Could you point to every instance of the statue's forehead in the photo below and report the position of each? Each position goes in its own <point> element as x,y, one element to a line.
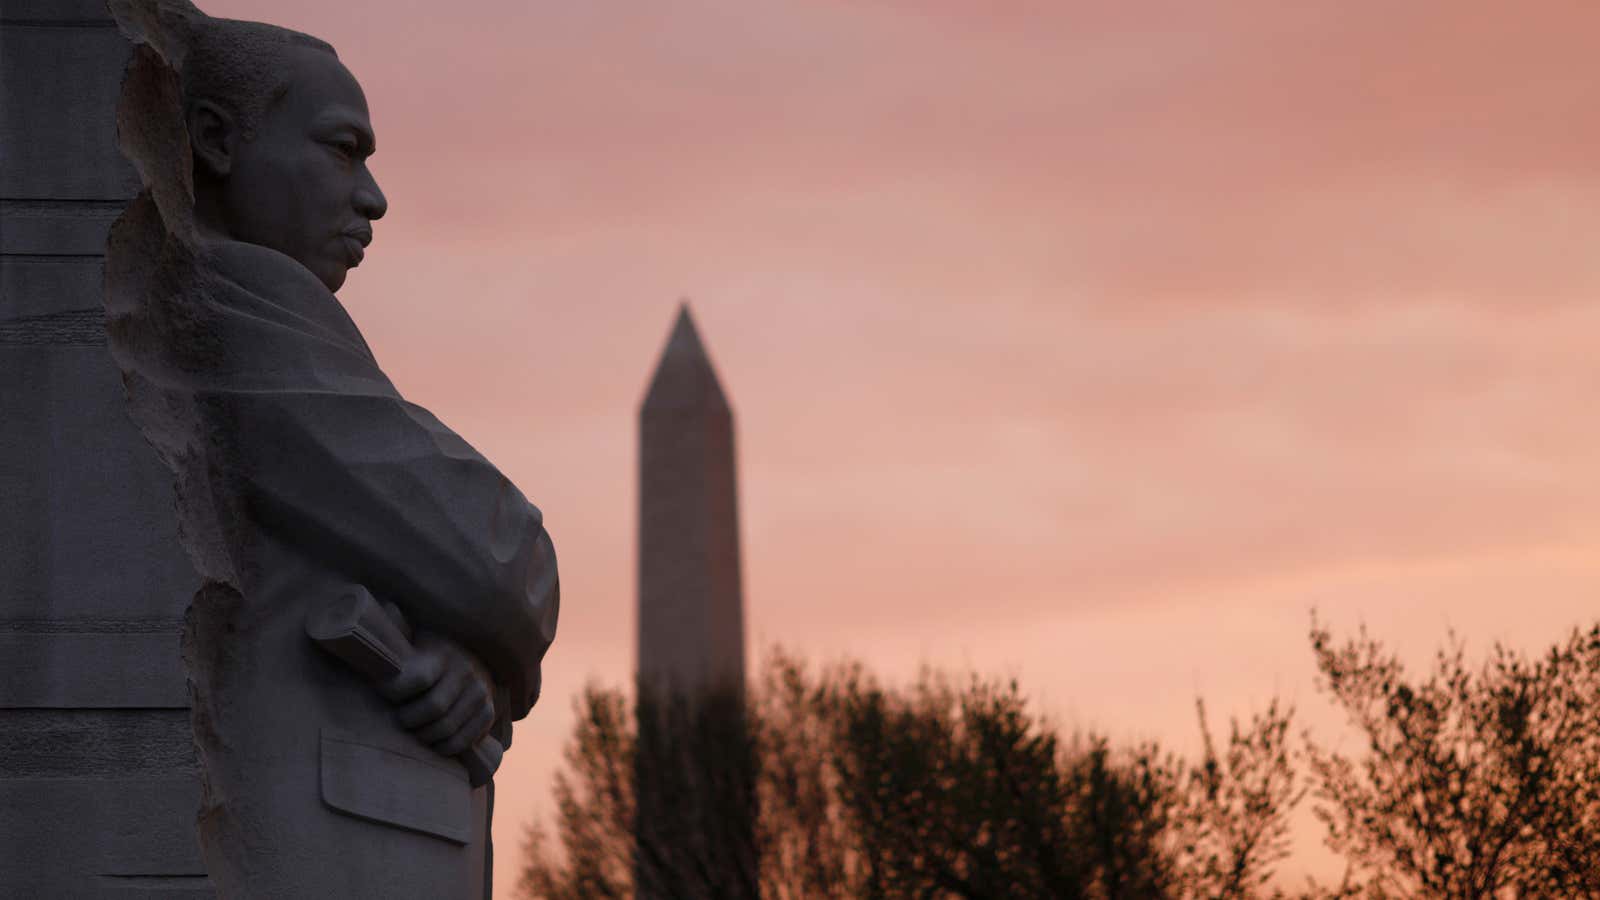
<point>321,86</point>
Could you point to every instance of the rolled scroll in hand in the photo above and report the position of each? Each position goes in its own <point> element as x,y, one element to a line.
<point>357,630</point>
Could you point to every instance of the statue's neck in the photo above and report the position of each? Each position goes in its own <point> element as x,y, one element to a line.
<point>209,218</point>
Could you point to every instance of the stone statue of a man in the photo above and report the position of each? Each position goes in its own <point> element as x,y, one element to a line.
<point>304,478</point>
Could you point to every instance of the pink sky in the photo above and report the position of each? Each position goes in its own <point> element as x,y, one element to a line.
<point>1091,343</point>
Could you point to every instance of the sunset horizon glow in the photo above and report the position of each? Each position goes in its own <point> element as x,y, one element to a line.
<point>1093,344</point>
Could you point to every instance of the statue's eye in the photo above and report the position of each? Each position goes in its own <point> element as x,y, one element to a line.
<point>347,149</point>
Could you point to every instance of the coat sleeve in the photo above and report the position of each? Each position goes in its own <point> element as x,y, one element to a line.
<point>328,456</point>
<point>378,489</point>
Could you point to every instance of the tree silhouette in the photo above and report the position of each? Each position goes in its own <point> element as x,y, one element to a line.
<point>694,796</point>
<point>1234,808</point>
<point>594,809</point>
<point>1472,782</point>
<point>944,789</point>
<point>1475,782</point>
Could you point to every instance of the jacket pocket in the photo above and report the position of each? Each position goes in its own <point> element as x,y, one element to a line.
<point>399,787</point>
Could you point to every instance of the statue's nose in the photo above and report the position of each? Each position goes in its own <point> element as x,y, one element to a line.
<point>369,200</point>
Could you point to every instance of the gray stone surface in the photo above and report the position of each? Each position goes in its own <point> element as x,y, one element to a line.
<point>100,784</point>
<point>45,285</point>
<point>98,789</point>
<point>120,837</point>
<point>691,598</point>
<point>60,64</point>
<point>94,540</point>
<point>139,671</point>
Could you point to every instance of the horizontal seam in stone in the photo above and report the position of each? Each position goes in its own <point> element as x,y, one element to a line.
<point>33,207</point>
<point>58,23</point>
<point>30,256</point>
<point>90,626</point>
<point>78,327</point>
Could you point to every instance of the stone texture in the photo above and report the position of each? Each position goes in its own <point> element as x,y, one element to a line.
<point>130,670</point>
<point>98,789</point>
<point>120,838</point>
<point>100,784</point>
<point>48,285</point>
<point>61,64</point>
<point>302,475</point>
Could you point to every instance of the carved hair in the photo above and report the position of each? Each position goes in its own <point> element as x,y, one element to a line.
<point>241,66</point>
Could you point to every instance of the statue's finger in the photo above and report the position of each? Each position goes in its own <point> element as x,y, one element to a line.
<point>480,723</point>
<point>430,706</point>
<point>482,717</point>
<point>418,674</point>
<point>459,714</point>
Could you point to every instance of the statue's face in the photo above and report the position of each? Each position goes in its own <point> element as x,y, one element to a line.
<point>302,186</point>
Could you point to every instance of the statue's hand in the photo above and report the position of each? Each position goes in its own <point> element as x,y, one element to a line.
<point>444,694</point>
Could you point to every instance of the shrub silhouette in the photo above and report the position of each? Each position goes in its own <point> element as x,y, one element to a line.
<point>834,785</point>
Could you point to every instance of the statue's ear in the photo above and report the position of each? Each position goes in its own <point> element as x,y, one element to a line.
<point>213,135</point>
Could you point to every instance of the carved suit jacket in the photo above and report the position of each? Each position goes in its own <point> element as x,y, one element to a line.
<point>300,471</point>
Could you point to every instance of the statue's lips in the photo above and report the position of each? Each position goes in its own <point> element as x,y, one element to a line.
<point>355,246</point>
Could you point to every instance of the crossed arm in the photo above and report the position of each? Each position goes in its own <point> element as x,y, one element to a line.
<point>377,489</point>
<point>327,455</point>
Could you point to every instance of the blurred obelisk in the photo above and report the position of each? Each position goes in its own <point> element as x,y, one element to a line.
<point>694,775</point>
<point>98,786</point>
<point>691,603</point>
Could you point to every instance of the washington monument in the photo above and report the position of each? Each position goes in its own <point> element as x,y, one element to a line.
<point>691,603</point>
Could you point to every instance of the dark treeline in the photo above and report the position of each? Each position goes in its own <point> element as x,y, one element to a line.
<point>1470,781</point>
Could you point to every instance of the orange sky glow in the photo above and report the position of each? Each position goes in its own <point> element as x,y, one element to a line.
<point>1091,343</point>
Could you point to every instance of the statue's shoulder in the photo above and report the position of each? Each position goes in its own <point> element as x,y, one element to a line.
<point>273,286</point>
<point>263,270</point>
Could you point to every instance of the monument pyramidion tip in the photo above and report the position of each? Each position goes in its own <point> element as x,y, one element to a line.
<point>684,378</point>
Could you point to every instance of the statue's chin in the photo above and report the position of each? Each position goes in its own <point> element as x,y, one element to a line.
<point>334,280</point>
<point>329,273</point>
